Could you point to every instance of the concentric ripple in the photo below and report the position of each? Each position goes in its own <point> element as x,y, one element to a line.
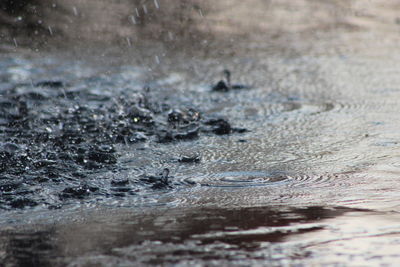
<point>261,178</point>
<point>239,179</point>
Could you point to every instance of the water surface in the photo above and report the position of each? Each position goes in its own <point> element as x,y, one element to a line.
<point>312,181</point>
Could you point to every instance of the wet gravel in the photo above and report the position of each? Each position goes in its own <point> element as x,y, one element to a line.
<point>54,136</point>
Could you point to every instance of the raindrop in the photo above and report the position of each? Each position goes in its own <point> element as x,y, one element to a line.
<point>171,36</point>
<point>157,59</point>
<point>50,30</point>
<point>75,10</point>
<point>200,12</point>
<point>137,12</point>
<point>128,40</point>
<point>133,19</point>
<point>15,42</point>
<point>64,93</point>
<point>156,4</point>
<point>144,9</point>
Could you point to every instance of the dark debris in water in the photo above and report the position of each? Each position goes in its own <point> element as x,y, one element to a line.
<point>225,85</point>
<point>52,84</point>
<point>190,159</point>
<point>160,181</point>
<point>53,135</point>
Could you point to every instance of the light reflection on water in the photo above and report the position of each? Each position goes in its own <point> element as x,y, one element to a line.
<point>212,236</point>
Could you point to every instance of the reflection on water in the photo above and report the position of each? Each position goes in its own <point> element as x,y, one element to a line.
<point>205,235</point>
<point>277,235</point>
<point>27,248</point>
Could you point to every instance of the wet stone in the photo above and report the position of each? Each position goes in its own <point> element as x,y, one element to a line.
<point>102,157</point>
<point>160,181</point>
<point>78,192</point>
<point>22,203</point>
<point>50,137</point>
<point>219,126</point>
<point>239,130</point>
<point>178,116</point>
<point>225,84</point>
<point>190,159</point>
<point>187,135</point>
<point>52,84</point>
<point>9,186</point>
<point>119,182</point>
<point>221,86</point>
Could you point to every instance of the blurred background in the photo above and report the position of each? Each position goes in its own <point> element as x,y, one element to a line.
<point>49,24</point>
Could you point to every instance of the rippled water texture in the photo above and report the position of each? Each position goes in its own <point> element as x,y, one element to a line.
<point>300,169</point>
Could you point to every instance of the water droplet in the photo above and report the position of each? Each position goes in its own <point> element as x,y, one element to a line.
<point>137,12</point>
<point>133,19</point>
<point>15,42</point>
<point>157,59</point>
<point>156,4</point>
<point>50,30</point>
<point>144,9</point>
<point>75,10</point>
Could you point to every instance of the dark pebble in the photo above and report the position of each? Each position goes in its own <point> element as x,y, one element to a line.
<point>221,87</point>
<point>120,182</point>
<point>102,157</point>
<point>78,192</point>
<point>220,126</point>
<point>52,84</point>
<point>190,159</point>
<point>22,203</point>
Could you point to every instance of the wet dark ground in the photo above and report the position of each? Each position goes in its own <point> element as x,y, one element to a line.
<point>298,169</point>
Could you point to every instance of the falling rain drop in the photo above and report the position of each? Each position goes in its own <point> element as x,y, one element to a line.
<point>50,30</point>
<point>157,59</point>
<point>171,36</point>
<point>128,40</point>
<point>144,9</point>
<point>133,19</point>
<point>75,10</point>
<point>156,4</point>
<point>15,42</point>
<point>63,92</point>
<point>200,12</point>
<point>137,12</point>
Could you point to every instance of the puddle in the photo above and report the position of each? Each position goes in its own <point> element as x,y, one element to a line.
<point>299,169</point>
